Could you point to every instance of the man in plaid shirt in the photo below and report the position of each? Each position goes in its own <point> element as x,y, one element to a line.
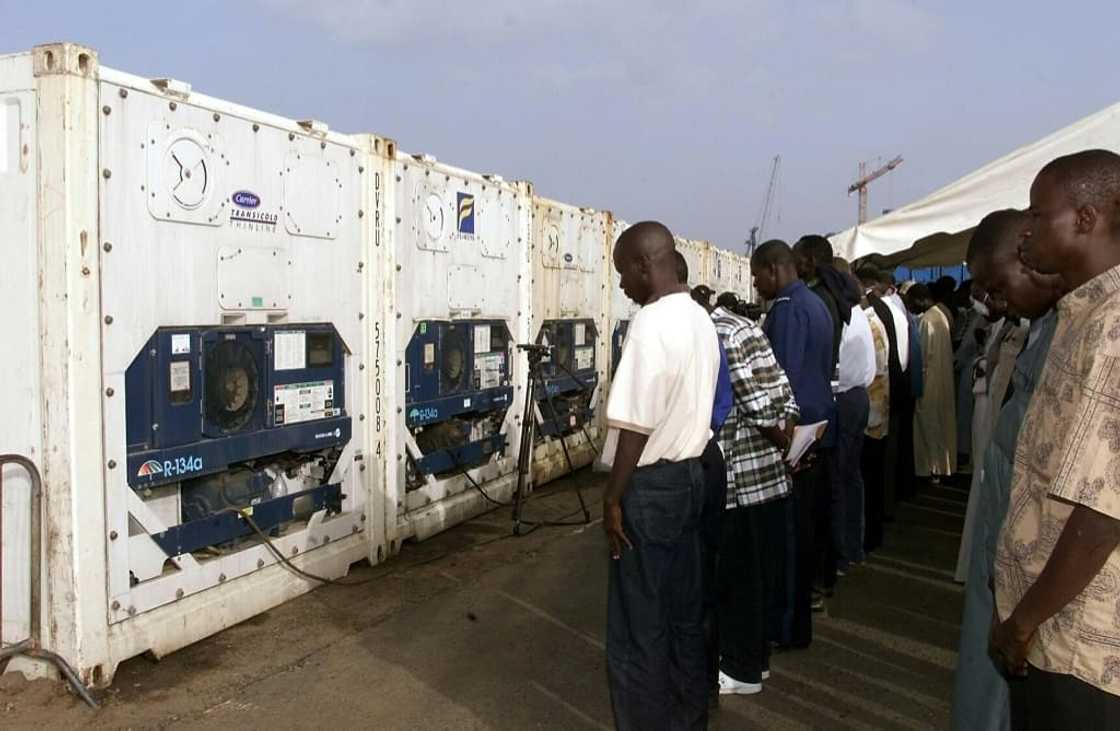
<point>754,440</point>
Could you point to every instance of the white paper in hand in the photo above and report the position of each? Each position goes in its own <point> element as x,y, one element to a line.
<point>803,438</point>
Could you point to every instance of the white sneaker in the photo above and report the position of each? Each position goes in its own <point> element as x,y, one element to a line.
<point>730,686</point>
<point>765,674</point>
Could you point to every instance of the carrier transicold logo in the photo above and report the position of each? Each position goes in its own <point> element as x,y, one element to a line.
<point>246,199</point>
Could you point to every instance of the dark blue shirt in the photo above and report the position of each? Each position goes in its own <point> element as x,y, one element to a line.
<point>724,396</point>
<point>800,331</point>
<point>917,386</point>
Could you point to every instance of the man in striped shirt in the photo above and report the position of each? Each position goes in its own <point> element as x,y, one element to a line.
<point>754,440</point>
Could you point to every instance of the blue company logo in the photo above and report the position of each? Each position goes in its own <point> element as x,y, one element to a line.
<point>466,213</point>
<point>245,199</point>
<point>425,414</point>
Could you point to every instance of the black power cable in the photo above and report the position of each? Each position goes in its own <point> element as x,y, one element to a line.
<point>474,482</point>
<point>246,515</point>
<point>500,504</point>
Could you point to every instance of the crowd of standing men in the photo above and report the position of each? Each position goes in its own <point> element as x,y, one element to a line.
<point>722,549</point>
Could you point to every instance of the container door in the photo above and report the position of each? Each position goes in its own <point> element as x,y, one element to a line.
<point>19,361</point>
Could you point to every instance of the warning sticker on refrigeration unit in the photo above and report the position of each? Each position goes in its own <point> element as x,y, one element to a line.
<point>179,377</point>
<point>585,358</point>
<point>481,339</point>
<point>291,350</point>
<point>488,368</point>
<point>299,402</point>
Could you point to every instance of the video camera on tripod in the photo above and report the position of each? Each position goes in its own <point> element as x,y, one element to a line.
<point>537,352</point>
<point>536,349</point>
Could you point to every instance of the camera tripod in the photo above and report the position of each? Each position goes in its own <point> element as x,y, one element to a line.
<point>536,354</point>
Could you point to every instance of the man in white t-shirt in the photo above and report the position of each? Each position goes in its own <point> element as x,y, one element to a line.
<point>659,416</point>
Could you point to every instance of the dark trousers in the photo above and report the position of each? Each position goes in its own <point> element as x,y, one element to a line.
<point>655,643</point>
<point>711,537</point>
<point>874,454</point>
<point>1059,701</point>
<point>743,646</point>
<point>825,548</point>
<point>905,479</point>
<point>890,466</point>
<point>852,410</point>
<point>795,627</point>
<point>777,568</point>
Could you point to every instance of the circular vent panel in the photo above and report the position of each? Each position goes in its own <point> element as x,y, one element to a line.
<point>232,385</point>
<point>186,173</point>
<point>564,354</point>
<point>453,360</point>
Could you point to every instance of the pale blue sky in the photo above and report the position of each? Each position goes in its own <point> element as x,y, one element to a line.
<point>652,109</point>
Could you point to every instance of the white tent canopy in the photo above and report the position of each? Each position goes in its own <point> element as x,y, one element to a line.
<point>935,230</point>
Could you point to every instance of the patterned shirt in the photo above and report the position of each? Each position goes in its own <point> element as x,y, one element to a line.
<point>1068,454</point>
<point>756,472</point>
<point>879,392</point>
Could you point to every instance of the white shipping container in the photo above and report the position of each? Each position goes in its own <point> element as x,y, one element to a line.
<point>744,285</point>
<point>144,227</point>
<point>723,272</point>
<point>696,255</point>
<point>571,274</point>
<point>148,216</point>
<point>622,308</point>
<point>21,427</point>
<point>461,270</point>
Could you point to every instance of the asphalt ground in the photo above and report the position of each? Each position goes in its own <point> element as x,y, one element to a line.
<point>478,629</point>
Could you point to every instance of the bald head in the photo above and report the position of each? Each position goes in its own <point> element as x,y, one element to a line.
<point>645,257</point>
<point>771,253</point>
<point>1089,178</point>
<point>648,238</point>
<point>772,267</point>
<point>996,236</point>
<point>1075,217</point>
<point>993,258</point>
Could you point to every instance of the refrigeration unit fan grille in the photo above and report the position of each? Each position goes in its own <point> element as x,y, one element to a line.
<point>232,385</point>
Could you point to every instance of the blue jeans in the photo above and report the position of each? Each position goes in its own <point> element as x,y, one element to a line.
<point>655,642</point>
<point>711,537</point>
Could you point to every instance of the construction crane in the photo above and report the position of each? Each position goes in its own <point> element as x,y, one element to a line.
<point>865,179</point>
<point>764,216</point>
